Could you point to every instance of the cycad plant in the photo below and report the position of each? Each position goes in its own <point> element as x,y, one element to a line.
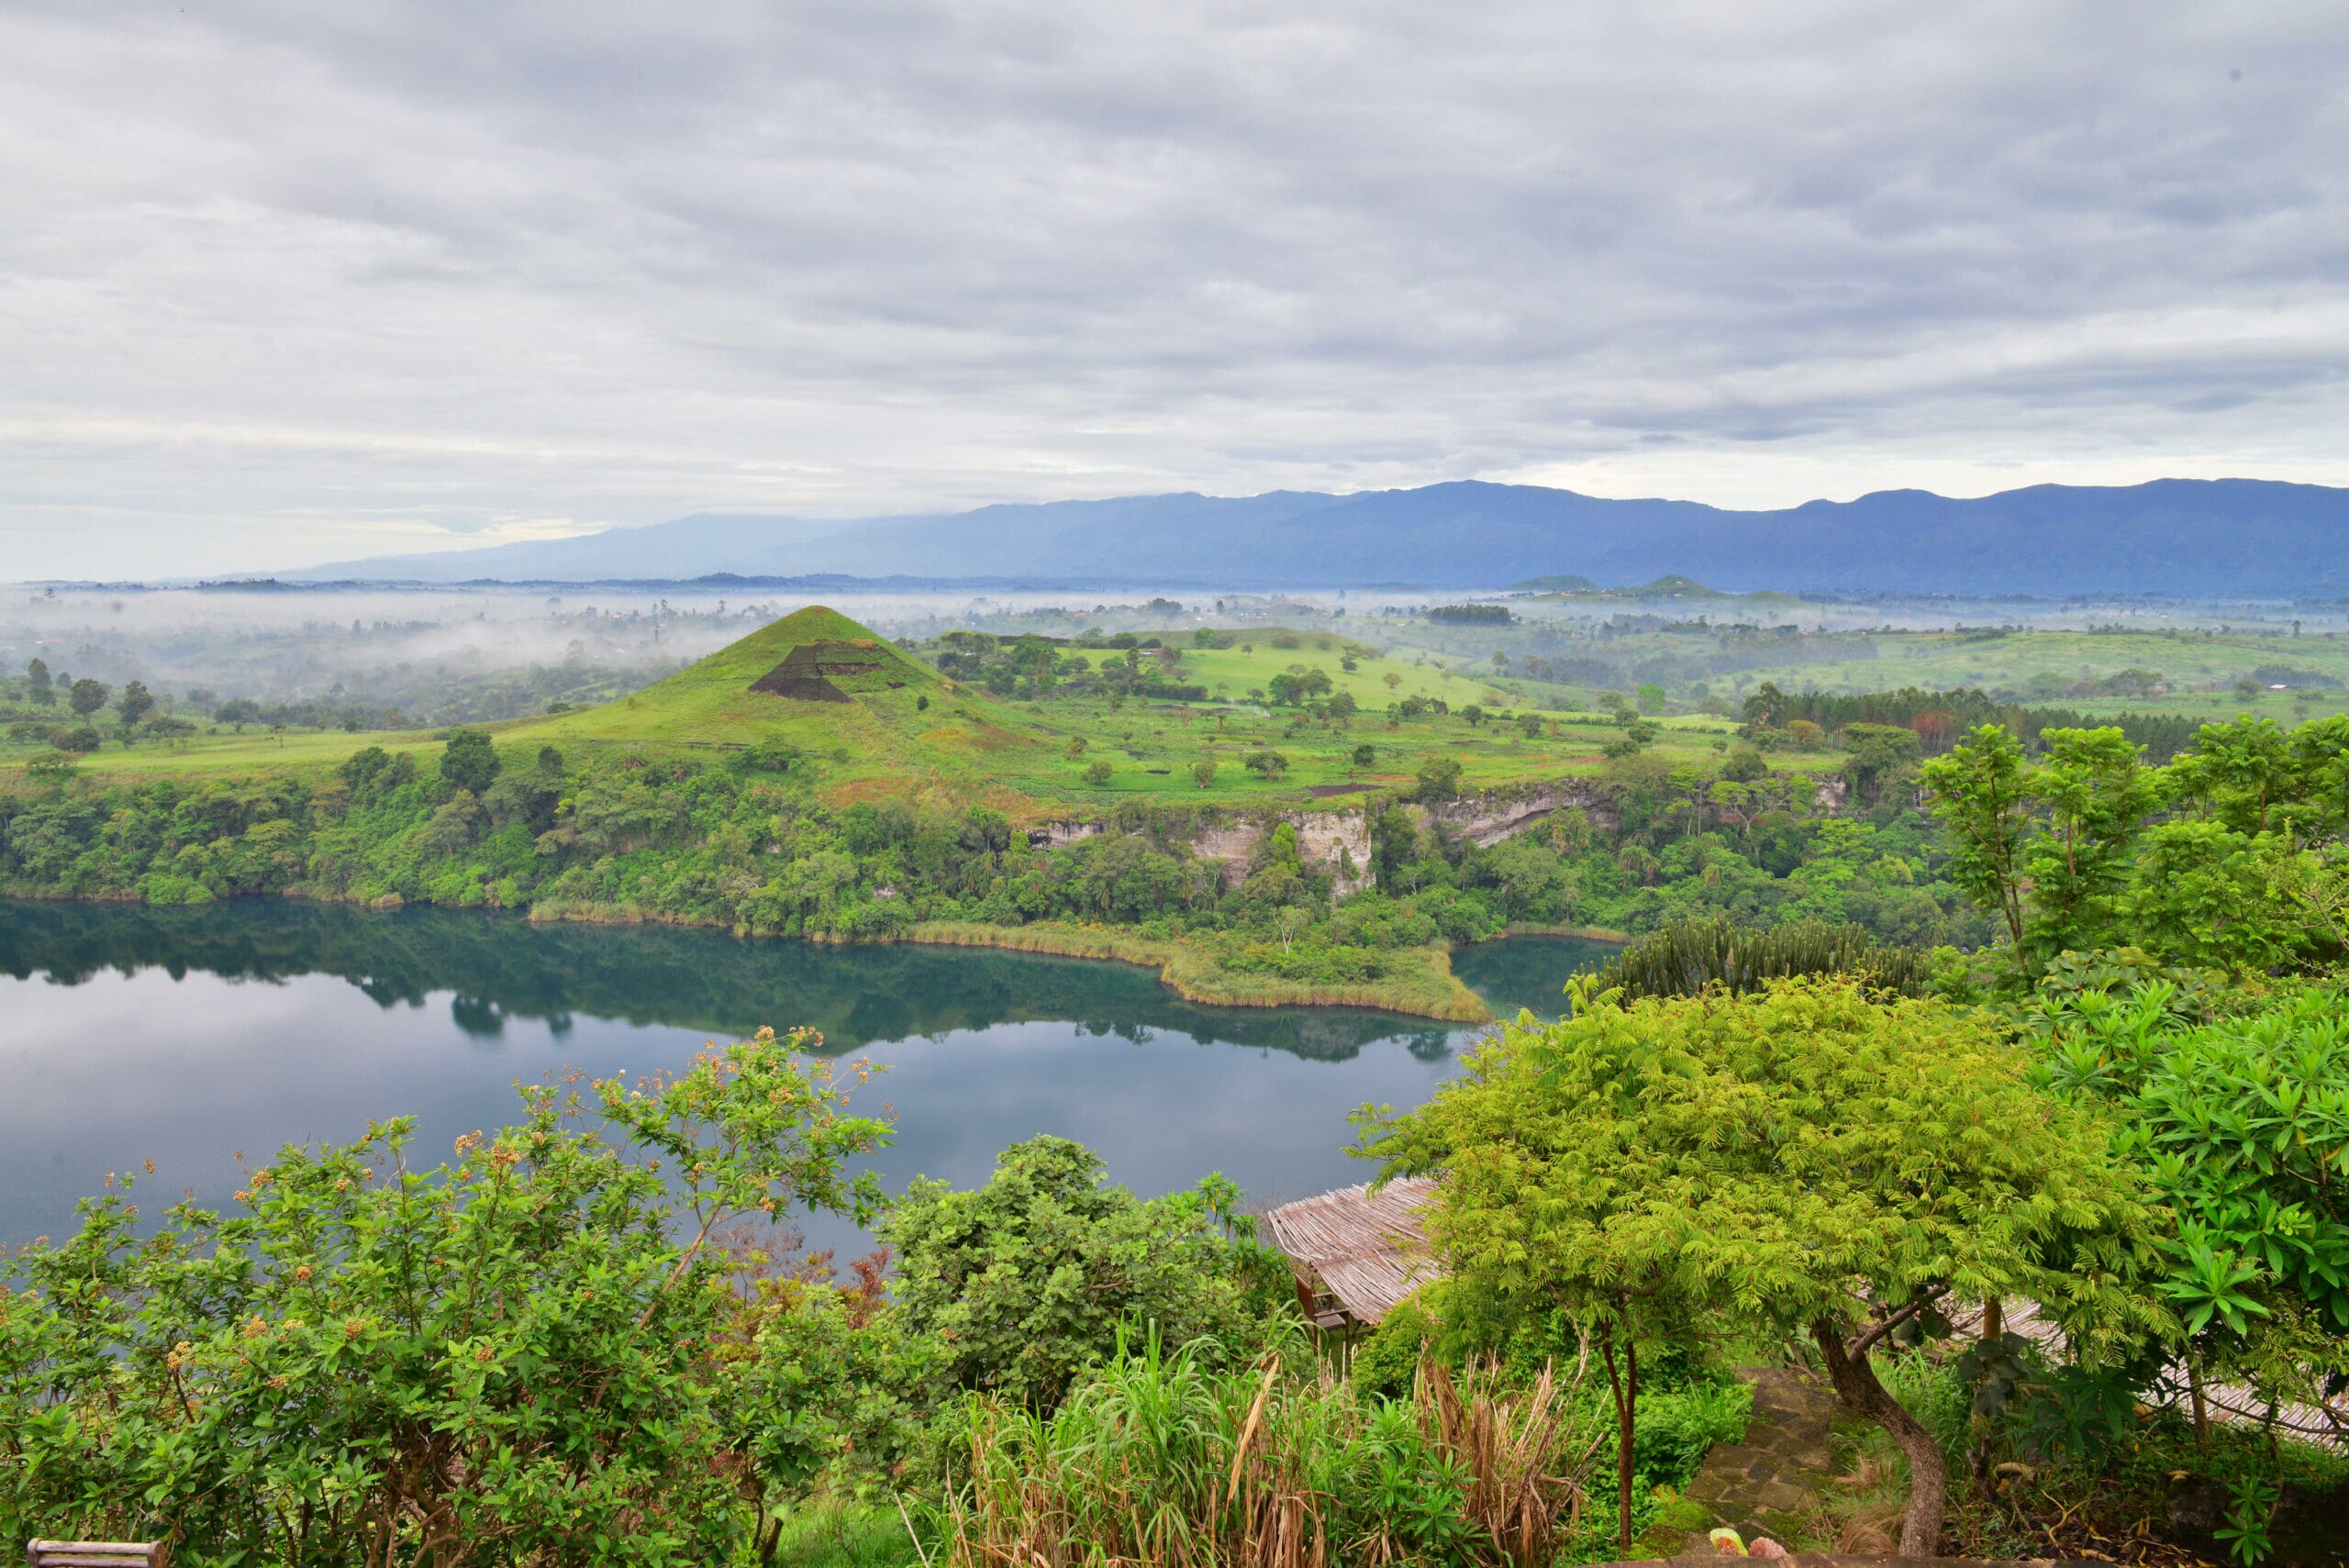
<point>1690,957</point>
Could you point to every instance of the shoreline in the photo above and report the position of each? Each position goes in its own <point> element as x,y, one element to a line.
<point>1208,987</point>
<point>1581,933</point>
<point>1428,989</point>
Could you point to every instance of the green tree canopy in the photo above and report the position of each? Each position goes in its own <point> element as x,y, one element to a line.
<point>469,763</point>
<point>2241,1126</point>
<point>1805,1161</point>
<point>136,703</point>
<point>1438,777</point>
<point>1027,1280</point>
<point>522,1356</point>
<point>2228,858</point>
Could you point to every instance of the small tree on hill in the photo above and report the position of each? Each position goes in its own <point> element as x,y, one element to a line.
<point>1805,1161</point>
<point>40,689</point>
<point>136,703</point>
<point>469,763</point>
<point>88,697</point>
<point>1438,778</point>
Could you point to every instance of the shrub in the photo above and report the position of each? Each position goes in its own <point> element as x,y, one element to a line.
<point>1743,764</point>
<point>524,1352</point>
<point>1438,778</point>
<point>1032,1277</point>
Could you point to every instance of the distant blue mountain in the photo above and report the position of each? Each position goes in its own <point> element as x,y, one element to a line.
<point>2172,536</point>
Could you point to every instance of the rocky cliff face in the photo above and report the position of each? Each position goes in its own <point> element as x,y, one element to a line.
<point>1487,820</point>
<point>1339,841</point>
<point>1052,835</point>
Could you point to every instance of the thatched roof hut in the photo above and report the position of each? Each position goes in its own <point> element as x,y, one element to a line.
<point>1356,1254</point>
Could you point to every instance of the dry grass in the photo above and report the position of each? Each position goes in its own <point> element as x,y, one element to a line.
<point>1861,1515</point>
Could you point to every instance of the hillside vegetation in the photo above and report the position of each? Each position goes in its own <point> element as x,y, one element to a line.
<point>2109,1100</point>
<point>1264,814</point>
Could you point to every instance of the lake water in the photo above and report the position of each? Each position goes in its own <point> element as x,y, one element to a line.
<point>129,1033</point>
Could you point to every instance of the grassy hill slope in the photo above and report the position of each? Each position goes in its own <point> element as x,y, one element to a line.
<point>899,717</point>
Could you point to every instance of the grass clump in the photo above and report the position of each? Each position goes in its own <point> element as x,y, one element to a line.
<point>1161,1459</point>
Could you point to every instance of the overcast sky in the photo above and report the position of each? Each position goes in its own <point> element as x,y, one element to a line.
<point>289,283</point>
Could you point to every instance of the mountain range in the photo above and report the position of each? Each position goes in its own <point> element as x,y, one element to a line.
<point>2185,537</point>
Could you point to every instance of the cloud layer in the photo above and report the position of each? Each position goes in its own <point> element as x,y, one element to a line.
<point>285,282</point>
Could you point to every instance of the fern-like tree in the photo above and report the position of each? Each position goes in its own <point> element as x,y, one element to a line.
<point>1805,1161</point>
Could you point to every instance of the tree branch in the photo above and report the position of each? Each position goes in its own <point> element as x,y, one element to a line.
<point>1867,1341</point>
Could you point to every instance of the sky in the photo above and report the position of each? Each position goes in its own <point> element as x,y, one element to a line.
<point>283,283</point>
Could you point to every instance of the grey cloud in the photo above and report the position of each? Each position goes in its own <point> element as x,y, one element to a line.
<point>288,282</point>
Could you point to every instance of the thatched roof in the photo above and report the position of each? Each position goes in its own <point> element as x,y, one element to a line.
<point>1367,1252</point>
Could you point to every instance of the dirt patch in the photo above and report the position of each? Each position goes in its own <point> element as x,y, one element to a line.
<point>807,671</point>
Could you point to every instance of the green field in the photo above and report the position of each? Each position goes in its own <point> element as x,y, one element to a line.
<point>910,732</point>
<point>2198,672</point>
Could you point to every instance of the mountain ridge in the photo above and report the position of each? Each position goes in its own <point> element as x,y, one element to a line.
<point>2241,535</point>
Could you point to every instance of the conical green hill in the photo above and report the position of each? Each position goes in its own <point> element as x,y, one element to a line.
<point>815,680</point>
<point>1677,585</point>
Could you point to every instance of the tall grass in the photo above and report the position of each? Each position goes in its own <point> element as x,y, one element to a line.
<point>1160,1459</point>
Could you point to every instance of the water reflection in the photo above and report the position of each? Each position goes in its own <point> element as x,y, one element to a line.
<point>184,1035</point>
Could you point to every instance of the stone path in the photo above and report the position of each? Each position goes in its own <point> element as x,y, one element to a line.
<point>1766,1485</point>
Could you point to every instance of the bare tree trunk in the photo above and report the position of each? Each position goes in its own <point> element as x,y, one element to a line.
<point>2202,1409</point>
<point>1994,1328</point>
<point>1627,1393</point>
<point>1857,1387</point>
